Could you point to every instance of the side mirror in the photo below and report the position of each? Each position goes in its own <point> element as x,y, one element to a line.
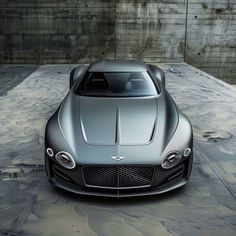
<point>77,73</point>
<point>159,74</point>
<point>72,77</point>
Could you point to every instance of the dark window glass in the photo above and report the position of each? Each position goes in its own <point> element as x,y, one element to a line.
<point>117,84</point>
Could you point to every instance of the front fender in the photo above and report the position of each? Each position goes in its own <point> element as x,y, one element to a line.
<point>54,137</point>
<point>182,138</point>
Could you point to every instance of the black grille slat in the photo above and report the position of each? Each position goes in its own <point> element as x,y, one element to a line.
<point>174,175</point>
<point>123,176</point>
<point>60,174</point>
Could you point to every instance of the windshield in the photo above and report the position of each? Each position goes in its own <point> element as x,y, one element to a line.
<point>117,84</point>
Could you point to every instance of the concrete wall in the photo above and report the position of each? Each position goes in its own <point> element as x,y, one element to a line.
<point>152,30</point>
<point>71,31</point>
<point>56,31</point>
<point>211,37</point>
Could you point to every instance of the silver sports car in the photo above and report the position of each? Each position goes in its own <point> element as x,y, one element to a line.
<point>118,133</point>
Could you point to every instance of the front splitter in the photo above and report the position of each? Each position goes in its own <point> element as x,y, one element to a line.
<point>118,194</point>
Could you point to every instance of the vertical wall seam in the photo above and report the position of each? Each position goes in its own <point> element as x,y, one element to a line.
<point>38,35</point>
<point>115,27</point>
<point>186,31</point>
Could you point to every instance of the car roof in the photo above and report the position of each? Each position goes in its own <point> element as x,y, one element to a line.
<point>117,65</point>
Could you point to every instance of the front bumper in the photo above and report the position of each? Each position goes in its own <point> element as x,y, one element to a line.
<point>116,193</point>
<point>163,180</point>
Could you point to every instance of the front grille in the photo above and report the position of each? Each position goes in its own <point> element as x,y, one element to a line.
<point>121,177</point>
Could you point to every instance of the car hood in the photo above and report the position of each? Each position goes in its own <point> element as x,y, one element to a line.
<point>97,128</point>
<point>122,121</point>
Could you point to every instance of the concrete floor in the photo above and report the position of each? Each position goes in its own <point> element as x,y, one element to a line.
<point>29,205</point>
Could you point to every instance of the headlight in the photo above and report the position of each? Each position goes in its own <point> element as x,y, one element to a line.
<point>65,160</point>
<point>171,160</point>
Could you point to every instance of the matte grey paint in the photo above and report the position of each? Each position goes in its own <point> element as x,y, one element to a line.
<point>117,66</point>
<point>117,120</point>
<point>141,129</point>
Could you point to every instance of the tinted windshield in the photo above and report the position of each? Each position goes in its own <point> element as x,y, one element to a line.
<point>117,84</point>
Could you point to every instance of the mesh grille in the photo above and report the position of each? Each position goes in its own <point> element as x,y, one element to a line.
<point>118,176</point>
<point>100,176</point>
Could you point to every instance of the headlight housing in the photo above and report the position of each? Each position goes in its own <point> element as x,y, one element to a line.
<point>65,160</point>
<point>171,160</point>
